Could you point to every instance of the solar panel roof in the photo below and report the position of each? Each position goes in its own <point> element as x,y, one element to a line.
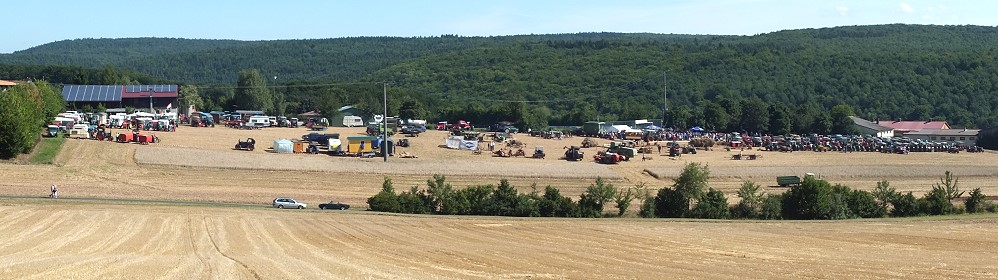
<point>91,93</point>
<point>113,93</point>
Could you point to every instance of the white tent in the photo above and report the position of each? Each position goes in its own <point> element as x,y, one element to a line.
<point>620,128</point>
<point>454,142</point>
<point>283,146</point>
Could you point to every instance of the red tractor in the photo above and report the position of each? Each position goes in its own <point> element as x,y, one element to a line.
<point>608,158</point>
<point>461,125</point>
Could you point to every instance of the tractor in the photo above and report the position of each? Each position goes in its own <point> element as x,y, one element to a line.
<point>574,153</point>
<point>608,158</point>
<point>538,152</point>
<point>247,145</point>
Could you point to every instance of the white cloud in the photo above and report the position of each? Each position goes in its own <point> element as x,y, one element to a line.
<point>905,7</point>
<point>843,10</point>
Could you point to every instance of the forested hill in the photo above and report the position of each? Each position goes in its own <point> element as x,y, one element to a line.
<point>218,61</point>
<point>882,72</point>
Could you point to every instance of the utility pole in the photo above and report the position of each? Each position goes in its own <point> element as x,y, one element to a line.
<point>151,111</point>
<point>384,123</point>
<point>665,96</point>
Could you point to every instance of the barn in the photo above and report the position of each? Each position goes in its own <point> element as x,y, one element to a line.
<point>140,97</point>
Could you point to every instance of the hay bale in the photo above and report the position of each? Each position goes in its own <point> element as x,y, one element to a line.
<point>702,142</point>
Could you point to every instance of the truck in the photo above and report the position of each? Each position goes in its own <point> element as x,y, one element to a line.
<point>593,129</point>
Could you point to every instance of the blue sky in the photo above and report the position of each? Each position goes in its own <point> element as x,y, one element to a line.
<point>31,23</point>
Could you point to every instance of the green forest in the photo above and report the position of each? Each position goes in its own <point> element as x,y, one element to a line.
<point>785,81</point>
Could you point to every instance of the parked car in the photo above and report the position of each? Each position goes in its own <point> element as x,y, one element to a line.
<point>320,138</point>
<point>284,202</point>
<point>333,205</point>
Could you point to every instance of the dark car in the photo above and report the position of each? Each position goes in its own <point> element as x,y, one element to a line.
<point>320,138</point>
<point>333,205</point>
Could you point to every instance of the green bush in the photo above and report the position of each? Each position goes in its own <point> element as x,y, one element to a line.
<point>935,202</point>
<point>810,200</point>
<point>751,201</point>
<point>647,207</point>
<point>862,204</point>
<point>884,194</point>
<point>386,200</point>
<point>414,201</point>
<point>713,205</point>
<point>976,202</point>
<point>553,204</point>
<point>597,195</point>
<point>905,206</point>
<point>772,207</point>
<point>670,203</point>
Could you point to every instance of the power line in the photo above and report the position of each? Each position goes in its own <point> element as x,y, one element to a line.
<point>294,86</point>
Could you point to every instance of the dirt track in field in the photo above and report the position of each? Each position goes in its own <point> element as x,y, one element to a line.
<point>47,240</point>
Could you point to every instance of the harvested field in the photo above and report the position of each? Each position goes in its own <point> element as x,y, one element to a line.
<point>371,166</point>
<point>142,241</point>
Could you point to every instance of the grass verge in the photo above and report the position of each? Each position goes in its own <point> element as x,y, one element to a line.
<point>48,148</point>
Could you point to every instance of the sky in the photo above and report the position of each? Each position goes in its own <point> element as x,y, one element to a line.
<point>31,23</point>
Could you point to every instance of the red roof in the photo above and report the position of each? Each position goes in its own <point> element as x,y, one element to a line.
<point>914,125</point>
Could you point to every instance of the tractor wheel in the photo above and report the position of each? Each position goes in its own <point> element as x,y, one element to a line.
<point>251,148</point>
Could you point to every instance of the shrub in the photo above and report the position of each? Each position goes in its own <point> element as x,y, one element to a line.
<point>713,206</point>
<point>439,190</point>
<point>596,196</point>
<point>751,201</point>
<point>905,206</point>
<point>623,200</point>
<point>414,201</point>
<point>692,182</point>
<point>504,200</point>
<point>807,201</point>
<point>386,200</point>
<point>862,204</point>
<point>647,207</point>
<point>976,202</point>
<point>884,194</point>
<point>670,203</point>
<point>936,202</point>
<point>553,204</point>
<point>772,207</point>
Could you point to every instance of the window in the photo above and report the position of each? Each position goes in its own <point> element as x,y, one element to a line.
<point>963,138</point>
<point>933,138</point>
<point>952,138</point>
<point>972,138</point>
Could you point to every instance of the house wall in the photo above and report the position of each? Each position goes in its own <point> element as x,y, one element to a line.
<point>867,131</point>
<point>968,140</point>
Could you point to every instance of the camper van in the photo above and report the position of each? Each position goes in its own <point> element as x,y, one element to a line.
<point>259,121</point>
<point>80,131</point>
<point>352,121</point>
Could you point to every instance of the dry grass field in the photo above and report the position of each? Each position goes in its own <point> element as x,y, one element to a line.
<point>85,239</point>
<point>49,240</point>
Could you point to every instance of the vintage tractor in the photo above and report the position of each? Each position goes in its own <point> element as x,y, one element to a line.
<point>247,145</point>
<point>574,153</point>
<point>608,158</point>
<point>538,152</point>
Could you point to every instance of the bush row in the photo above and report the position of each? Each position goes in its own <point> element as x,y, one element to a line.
<point>688,197</point>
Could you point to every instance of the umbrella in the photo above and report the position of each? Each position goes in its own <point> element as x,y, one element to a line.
<point>696,128</point>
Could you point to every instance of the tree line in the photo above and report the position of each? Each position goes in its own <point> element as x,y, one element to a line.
<point>24,111</point>
<point>688,197</point>
<point>883,72</point>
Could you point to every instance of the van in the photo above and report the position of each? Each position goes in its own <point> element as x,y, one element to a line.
<point>259,121</point>
<point>80,131</point>
<point>352,121</point>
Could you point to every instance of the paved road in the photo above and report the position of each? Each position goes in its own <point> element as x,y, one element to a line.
<point>120,200</point>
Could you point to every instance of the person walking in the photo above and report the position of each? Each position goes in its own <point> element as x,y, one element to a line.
<point>55,192</point>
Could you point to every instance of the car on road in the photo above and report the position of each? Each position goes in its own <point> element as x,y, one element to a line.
<point>284,202</point>
<point>333,205</point>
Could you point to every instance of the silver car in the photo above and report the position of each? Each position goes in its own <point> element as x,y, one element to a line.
<point>283,202</point>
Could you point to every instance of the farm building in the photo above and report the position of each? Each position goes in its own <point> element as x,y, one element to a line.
<point>351,111</point>
<point>866,127</point>
<point>902,127</point>
<point>967,136</point>
<point>140,97</point>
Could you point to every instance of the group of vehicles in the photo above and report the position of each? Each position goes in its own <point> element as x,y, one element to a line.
<point>290,203</point>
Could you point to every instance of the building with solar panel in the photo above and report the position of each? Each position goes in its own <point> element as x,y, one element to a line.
<point>140,97</point>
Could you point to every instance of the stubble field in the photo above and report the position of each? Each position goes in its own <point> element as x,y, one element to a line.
<point>85,239</point>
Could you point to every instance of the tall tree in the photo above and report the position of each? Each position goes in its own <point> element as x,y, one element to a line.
<point>714,116</point>
<point>841,123</point>
<point>411,109</point>
<point>755,115</point>
<point>252,92</point>
<point>780,121</point>
<point>189,96</point>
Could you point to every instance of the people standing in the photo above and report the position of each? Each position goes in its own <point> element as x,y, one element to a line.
<point>55,192</point>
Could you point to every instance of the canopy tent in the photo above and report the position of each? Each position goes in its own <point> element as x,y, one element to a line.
<point>283,146</point>
<point>620,128</point>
